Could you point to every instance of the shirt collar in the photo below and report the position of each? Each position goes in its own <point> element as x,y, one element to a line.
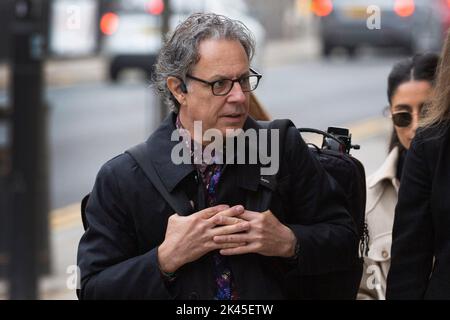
<point>196,157</point>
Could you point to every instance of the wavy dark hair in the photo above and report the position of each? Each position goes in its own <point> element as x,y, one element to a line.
<point>421,67</point>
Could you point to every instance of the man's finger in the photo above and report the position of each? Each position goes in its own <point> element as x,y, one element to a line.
<point>226,230</point>
<point>237,250</point>
<point>212,211</point>
<point>219,220</point>
<point>231,238</point>
<point>232,212</point>
<point>249,215</point>
<point>231,245</point>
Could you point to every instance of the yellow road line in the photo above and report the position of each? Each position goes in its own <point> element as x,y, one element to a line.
<point>66,217</point>
<point>368,128</point>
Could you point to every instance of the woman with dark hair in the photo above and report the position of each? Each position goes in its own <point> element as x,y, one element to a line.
<point>410,85</point>
<point>420,267</point>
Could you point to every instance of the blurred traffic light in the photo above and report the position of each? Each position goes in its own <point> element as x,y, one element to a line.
<point>321,8</point>
<point>155,7</point>
<point>404,8</point>
<point>109,23</point>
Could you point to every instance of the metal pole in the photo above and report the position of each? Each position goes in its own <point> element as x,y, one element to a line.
<point>5,171</point>
<point>6,16</point>
<point>165,27</point>
<point>29,176</point>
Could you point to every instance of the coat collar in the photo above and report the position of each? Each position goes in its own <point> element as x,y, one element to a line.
<point>159,148</point>
<point>387,171</point>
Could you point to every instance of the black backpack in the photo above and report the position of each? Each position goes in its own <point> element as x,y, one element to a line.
<point>336,160</point>
<point>334,155</point>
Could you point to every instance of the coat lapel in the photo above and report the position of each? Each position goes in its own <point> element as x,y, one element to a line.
<point>159,149</point>
<point>385,174</point>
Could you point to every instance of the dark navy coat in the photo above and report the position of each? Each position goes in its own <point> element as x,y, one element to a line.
<point>127,219</point>
<point>420,263</point>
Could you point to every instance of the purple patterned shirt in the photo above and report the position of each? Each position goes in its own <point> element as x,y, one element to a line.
<point>210,174</point>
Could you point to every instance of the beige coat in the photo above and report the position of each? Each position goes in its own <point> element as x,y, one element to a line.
<point>382,194</point>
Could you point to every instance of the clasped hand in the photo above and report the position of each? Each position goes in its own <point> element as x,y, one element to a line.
<point>231,230</point>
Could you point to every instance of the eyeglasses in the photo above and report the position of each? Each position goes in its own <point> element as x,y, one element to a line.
<point>404,119</point>
<point>223,86</point>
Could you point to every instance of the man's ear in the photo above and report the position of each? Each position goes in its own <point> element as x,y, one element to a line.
<point>177,88</point>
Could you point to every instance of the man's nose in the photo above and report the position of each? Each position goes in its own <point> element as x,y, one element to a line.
<point>236,93</point>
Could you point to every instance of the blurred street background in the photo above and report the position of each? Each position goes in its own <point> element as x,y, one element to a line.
<point>324,63</point>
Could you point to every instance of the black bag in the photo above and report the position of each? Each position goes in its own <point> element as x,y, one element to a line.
<point>349,173</point>
<point>334,155</point>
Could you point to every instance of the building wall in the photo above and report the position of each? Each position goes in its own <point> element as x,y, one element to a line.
<point>276,16</point>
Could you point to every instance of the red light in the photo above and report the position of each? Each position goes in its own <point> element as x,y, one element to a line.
<point>155,7</point>
<point>448,3</point>
<point>109,23</point>
<point>404,8</point>
<point>321,8</point>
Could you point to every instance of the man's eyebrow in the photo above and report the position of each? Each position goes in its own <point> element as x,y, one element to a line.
<point>221,76</point>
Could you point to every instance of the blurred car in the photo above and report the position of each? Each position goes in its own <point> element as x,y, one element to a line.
<point>73,28</point>
<point>415,25</point>
<point>131,34</point>
<point>132,29</point>
<point>445,14</point>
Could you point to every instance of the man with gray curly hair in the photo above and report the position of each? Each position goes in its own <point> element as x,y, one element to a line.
<point>222,242</point>
<point>181,51</point>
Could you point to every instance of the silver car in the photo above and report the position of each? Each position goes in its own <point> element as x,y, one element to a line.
<point>414,25</point>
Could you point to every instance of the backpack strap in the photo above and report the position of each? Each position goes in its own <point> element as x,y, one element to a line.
<point>280,124</point>
<point>260,200</point>
<point>177,200</point>
<point>323,133</point>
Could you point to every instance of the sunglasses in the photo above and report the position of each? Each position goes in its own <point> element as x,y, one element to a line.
<point>404,119</point>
